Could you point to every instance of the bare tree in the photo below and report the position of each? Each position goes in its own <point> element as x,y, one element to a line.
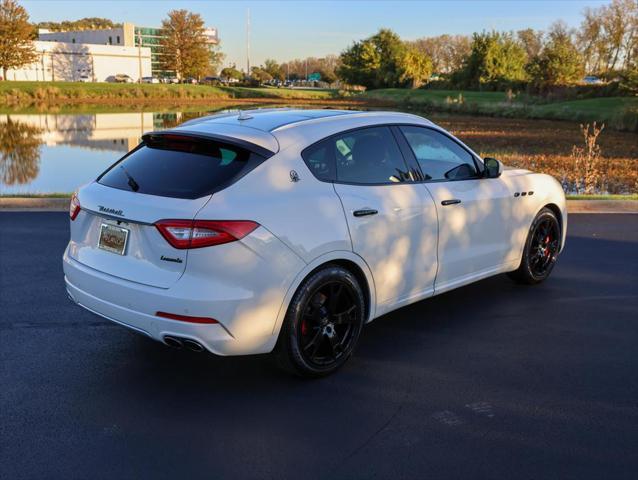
<point>446,51</point>
<point>608,36</point>
<point>531,40</point>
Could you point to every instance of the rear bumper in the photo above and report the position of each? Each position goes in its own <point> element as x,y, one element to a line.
<point>134,306</point>
<point>213,338</point>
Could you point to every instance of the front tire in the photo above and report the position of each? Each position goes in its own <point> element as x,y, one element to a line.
<point>541,249</point>
<point>323,323</point>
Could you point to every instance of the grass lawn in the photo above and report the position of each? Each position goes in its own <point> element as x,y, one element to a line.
<point>616,112</point>
<point>26,93</point>
<point>427,96</point>
<point>603,108</point>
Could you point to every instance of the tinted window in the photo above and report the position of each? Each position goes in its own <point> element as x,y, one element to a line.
<point>178,168</point>
<point>440,157</point>
<point>369,156</point>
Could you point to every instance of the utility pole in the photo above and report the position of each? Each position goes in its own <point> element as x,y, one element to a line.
<point>248,42</point>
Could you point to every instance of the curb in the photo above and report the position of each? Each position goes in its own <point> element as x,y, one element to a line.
<point>44,204</point>
<point>34,204</point>
<point>602,206</point>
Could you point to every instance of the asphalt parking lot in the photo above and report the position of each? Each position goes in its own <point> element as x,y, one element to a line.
<point>493,380</point>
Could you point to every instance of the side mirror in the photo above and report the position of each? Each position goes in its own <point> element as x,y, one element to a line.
<point>493,167</point>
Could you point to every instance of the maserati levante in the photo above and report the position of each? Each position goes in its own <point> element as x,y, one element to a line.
<point>287,230</point>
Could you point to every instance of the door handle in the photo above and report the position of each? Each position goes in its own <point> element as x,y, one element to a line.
<point>364,212</point>
<point>452,201</point>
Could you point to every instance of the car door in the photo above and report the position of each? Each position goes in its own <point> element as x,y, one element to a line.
<point>392,223</point>
<point>474,213</point>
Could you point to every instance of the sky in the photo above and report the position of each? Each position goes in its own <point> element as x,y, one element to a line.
<point>285,30</point>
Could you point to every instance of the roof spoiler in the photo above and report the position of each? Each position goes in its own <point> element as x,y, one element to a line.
<point>186,134</point>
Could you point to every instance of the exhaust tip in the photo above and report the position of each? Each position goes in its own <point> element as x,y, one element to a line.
<point>173,342</point>
<point>193,346</point>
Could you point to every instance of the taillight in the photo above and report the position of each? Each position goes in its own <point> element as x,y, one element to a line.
<point>74,206</point>
<point>203,233</point>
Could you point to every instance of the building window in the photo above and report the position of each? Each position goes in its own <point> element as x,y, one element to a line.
<point>118,39</point>
<point>110,40</point>
<point>73,40</point>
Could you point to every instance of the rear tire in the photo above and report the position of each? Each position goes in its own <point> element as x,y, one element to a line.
<point>540,251</point>
<point>323,323</point>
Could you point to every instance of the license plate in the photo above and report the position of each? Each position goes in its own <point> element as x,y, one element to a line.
<point>113,239</point>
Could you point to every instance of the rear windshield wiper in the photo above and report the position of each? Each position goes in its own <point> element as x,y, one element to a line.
<point>131,181</point>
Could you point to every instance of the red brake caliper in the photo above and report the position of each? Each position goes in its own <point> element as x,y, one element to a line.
<point>547,240</point>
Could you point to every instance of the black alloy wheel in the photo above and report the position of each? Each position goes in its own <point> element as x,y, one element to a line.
<point>323,323</point>
<point>544,247</point>
<point>541,249</point>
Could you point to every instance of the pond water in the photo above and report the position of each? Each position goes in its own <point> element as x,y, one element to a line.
<point>55,153</point>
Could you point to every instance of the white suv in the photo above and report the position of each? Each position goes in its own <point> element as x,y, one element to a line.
<point>288,230</point>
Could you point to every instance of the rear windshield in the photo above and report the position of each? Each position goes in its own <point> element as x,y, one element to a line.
<point>181,168</point>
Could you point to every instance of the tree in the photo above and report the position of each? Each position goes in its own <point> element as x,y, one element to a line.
<point>274,69</point>
<point>88,23</point>
<point>231,72</point>
<point>447,52</point>
<point>416,67</point>
<point>531,40</point>
<point>608,37</point>
<point>495,58</point>
<point>16,46</point>
<point>261,75</point>
<point>184,45</point>
<point>559,63</point>
<point>590,40</point>
<point>327,76</point>
<point>298,69</point>
<point>215,59</point>
<point>384,60</point>
<point>360,65</point>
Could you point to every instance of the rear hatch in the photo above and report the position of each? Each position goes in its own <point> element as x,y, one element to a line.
<point>166,177</point>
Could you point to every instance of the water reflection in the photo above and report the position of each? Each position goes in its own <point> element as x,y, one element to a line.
<point>19,151</point>
<point>56,153</point>
<point>48,153</point>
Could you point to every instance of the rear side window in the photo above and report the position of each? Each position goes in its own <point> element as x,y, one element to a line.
<point>181,168</point>
<point>320,160</point>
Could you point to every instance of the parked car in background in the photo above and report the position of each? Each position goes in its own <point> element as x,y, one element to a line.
<point>592,80</point>
<point>150,80</point>
<point>119,78</point>
<point>286,231</point>
<point>211,81</point>
<point>190,80</point>
<point>85,78</point>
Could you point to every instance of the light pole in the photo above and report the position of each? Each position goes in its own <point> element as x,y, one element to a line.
<point>248,42</point>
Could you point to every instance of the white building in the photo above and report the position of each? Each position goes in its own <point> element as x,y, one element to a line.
<point>68,61</point>
<point>128,35</point>
<point>108,36</point>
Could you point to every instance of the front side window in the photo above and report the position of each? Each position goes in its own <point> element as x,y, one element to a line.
<point>440,157</point>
